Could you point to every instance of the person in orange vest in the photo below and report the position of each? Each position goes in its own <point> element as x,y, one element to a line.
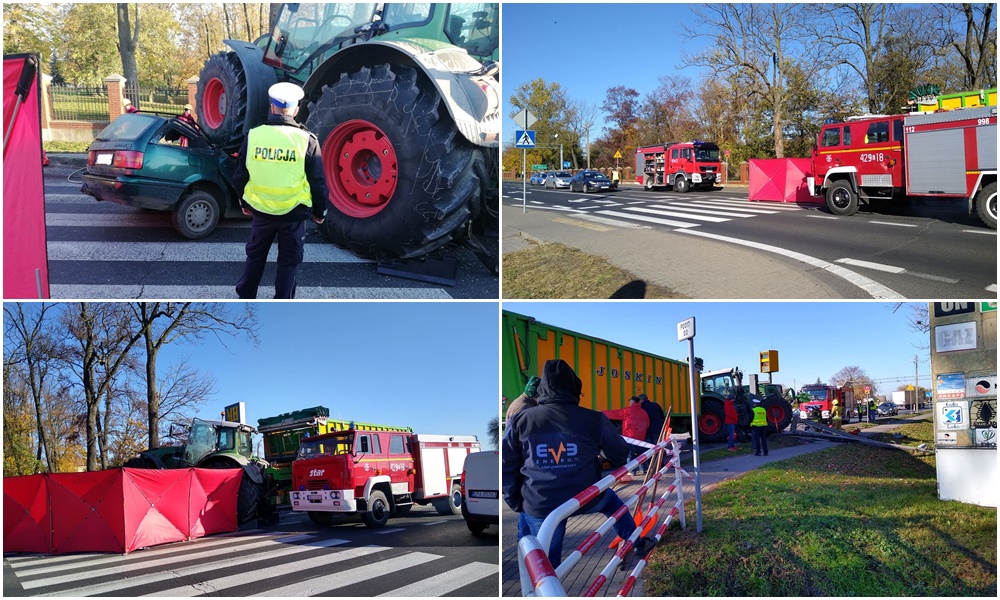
<point>281,184</point>
<point>635,422</point>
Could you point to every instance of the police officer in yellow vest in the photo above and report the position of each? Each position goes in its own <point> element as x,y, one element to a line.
<point>758,429</point>
<point>281,184</point>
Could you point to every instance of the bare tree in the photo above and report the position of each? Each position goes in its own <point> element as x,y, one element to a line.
<point>159,323</point>
<point>128,42</point>
<point>753,42</point>
<point>975,42</point>
<point>581,117</point>
<point>104,340</point>
<point>33,344</point>
<point>857,378</point>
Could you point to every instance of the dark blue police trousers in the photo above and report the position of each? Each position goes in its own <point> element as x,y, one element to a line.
<point>291,240</point>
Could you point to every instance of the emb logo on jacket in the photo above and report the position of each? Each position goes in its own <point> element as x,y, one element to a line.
<point>555,454</point>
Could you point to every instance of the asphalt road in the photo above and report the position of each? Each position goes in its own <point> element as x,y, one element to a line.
<point>103,250</point>
<point>422,554</point>
<point>917,250</point>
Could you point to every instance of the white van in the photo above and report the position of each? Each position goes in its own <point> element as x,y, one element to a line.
<point>481,490</point>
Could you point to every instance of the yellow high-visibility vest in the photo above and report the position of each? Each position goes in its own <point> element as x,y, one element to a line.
<point>759,417</point>
<point>276,159</point>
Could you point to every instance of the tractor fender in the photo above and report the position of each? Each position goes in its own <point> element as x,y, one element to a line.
<point>155,458</point>
<point>259,77</point>
<point>254,468</point>
<point>473,100</point>
<point>373,482</point>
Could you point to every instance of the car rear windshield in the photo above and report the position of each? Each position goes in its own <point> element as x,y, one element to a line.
<point>127,127</point>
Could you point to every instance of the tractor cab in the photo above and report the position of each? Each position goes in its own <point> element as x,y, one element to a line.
<point>305,35</point>
<point>208,437</point>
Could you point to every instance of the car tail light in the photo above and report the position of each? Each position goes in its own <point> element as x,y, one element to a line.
<point>461,483</point>
<point>91,158</point>
<point>128,159</point>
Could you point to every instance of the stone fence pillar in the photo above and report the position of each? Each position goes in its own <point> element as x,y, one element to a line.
<point>46,108</point>
<point>116,93</point>
<point>192,86</point>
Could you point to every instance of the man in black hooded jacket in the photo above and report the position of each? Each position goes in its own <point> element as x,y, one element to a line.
<point>550,454</point>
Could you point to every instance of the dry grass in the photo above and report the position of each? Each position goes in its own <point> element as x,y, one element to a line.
<point>558,271</point>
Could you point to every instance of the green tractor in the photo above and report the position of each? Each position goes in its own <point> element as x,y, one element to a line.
<point>405,101</point>
<point>716,386</point>
<point>213,445</point>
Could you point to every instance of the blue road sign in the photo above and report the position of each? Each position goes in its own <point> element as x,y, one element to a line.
<point>525,138</point>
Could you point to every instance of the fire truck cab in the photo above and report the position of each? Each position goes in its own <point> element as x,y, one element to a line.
<point>678,165</point>
<point>944,154</point>
<point>820,403</point>
<point>378,474</point>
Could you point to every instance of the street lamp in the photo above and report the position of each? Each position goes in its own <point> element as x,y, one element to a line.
<point>556,136</point>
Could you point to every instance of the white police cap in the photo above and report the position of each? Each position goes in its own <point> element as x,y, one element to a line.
<point>285,94</point>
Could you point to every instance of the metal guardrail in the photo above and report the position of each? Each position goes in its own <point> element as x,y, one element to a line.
<point>539,578</point>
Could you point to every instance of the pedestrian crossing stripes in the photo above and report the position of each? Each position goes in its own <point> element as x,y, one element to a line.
<point>285,564</point>
<point>680,212</point>
<point>102,250</point>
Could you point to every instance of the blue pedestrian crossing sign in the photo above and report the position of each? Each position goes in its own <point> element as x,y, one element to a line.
<point>525,138</point>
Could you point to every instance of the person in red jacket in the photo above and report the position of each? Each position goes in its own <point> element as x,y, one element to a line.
<point>635,422</point>
<point>732,419</point>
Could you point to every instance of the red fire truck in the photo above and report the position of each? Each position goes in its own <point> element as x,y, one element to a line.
<point>943,154</point>
<point>378,474</point>
<point>821,402</point>
<point>679,165</point>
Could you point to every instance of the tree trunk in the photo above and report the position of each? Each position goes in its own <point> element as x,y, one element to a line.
<point>128,42</point>
<point>152,391</point>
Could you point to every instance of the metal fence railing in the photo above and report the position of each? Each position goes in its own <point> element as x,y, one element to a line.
<point>78,103</point>
<point>162,100</point>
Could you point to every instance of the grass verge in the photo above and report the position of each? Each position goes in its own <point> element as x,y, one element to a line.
<point>847,521</point>
<point>64,146</point>
<point>558,271</point>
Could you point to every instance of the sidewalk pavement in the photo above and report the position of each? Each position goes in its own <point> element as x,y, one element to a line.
<point>692,266</point>
<point>591,565</point>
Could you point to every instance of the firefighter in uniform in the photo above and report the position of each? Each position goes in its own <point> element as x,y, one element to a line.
<point>280,183</point>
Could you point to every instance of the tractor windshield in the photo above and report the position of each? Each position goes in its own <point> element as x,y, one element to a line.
<point>302,30</point>
<point>201,441</point>
<point>720,384</point>
<point>474,27</point>
<point>326,446</point>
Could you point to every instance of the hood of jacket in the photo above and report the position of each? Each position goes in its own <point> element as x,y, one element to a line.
<point>559,384</point>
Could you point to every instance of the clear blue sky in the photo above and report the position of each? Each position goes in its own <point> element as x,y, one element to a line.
<point>427,365</point>
<point>588,48</point>
<point>813,339</point>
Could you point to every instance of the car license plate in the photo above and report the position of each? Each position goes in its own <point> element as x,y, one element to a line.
<point>482,494</point>
<point>105,158</point>
<point>314,497</point>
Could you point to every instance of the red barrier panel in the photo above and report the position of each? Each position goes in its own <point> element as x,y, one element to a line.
<point>25,266</point>
<point>25,514</point>
<point>118,510</point>
<point>780,180</point>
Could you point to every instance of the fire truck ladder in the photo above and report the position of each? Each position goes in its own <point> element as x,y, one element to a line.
<point>538,578</point>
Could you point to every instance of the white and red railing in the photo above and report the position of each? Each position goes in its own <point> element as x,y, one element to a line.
<point>538,578</point>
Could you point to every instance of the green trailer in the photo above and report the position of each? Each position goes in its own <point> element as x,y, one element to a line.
<point>612,373</point>
<point>283,434</point>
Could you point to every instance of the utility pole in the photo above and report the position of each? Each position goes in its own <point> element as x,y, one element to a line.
<point>916,385</point>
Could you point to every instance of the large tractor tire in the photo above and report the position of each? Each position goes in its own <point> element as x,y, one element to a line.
<point>779,412</point>
<point>222,100</point>
<point>712,421</point>
<point>250,495</point>
<point>402,179</point>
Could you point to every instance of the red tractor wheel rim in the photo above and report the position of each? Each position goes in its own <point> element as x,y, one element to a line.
<point>710,424</point>
<point>213,105</point>
<point>361,168</point>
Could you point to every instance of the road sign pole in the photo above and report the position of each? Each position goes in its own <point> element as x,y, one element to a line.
<point>686,331</point>
<point>524,180</point>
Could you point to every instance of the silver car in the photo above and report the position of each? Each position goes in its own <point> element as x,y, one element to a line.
<point>558,180</point>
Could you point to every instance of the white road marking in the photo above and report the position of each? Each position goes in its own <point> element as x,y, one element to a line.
<point>187,251</point>
<point>895,224</point>
<point>728,212</point>
<point>170,292</point>
<point>613,222</point>
<point>393,530</point>
<point>667,213</point>
<point>983,231</point>
<point>892,269</point>
<point>992,288</point>
<point>343,579</point>
<point>680,224</point>
<point>446,582</point>
<point>757,205</point>
<point>872,287</point>
<point>276,570</point>
<point>822,217</point>
<point>435,522</point>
